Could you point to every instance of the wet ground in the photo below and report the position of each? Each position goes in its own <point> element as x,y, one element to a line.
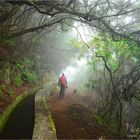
<point>73,120</point>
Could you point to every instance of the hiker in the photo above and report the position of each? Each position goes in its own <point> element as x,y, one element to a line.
<point>63,85</point>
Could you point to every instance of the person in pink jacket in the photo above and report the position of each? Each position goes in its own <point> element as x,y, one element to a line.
<point>63,85</point>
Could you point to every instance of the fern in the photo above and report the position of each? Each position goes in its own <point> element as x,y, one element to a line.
<point>99,120</point>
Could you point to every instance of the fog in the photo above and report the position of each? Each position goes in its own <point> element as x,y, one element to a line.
<point>57,53</point>
<point>77,73</point>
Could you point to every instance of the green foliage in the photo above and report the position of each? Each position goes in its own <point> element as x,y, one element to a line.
<point>29,76</point>
<point>10,92</point>
<point>99,120</point>
<point>10,42</point>
<point>122,54</point>
<point>118,58</point>
<point>114,51</point>
<point>18,81</point>
<point>106,121</point>
<point>26,62</point>
<point>1,92</point>
<point>79,47</point>
<point>19,66</point>
<point>27,73</point>
<point>2,89</point>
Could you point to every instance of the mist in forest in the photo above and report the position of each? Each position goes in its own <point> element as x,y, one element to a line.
<point>58,54</point>
<point>77,73</point>
<point>95,43</point>
<point>55,50</point>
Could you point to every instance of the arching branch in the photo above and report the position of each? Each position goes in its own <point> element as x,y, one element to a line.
<point>48,24</point>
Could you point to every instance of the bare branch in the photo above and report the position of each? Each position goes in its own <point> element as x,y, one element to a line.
<point>52,22</point>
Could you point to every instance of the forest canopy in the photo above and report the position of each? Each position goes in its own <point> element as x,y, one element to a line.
<point>118,18</point>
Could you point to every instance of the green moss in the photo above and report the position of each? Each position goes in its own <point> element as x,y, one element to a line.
<point>6,114</point>
<point>50,122</point>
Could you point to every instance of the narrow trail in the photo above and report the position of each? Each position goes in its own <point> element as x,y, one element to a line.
<point>20,124</point>
<point>72,119</point>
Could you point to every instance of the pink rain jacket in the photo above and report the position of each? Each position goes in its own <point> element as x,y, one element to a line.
<point>63,80</point>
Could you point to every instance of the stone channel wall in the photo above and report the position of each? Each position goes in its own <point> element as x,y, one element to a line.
<point>44,127</point>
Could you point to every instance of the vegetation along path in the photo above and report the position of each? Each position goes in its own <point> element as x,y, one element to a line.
<point>21,123</point>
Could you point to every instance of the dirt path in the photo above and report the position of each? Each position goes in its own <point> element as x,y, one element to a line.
<point>21,122</point>
<point>72,119</point>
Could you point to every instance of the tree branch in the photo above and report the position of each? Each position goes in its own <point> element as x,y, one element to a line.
<point>52,22</point>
